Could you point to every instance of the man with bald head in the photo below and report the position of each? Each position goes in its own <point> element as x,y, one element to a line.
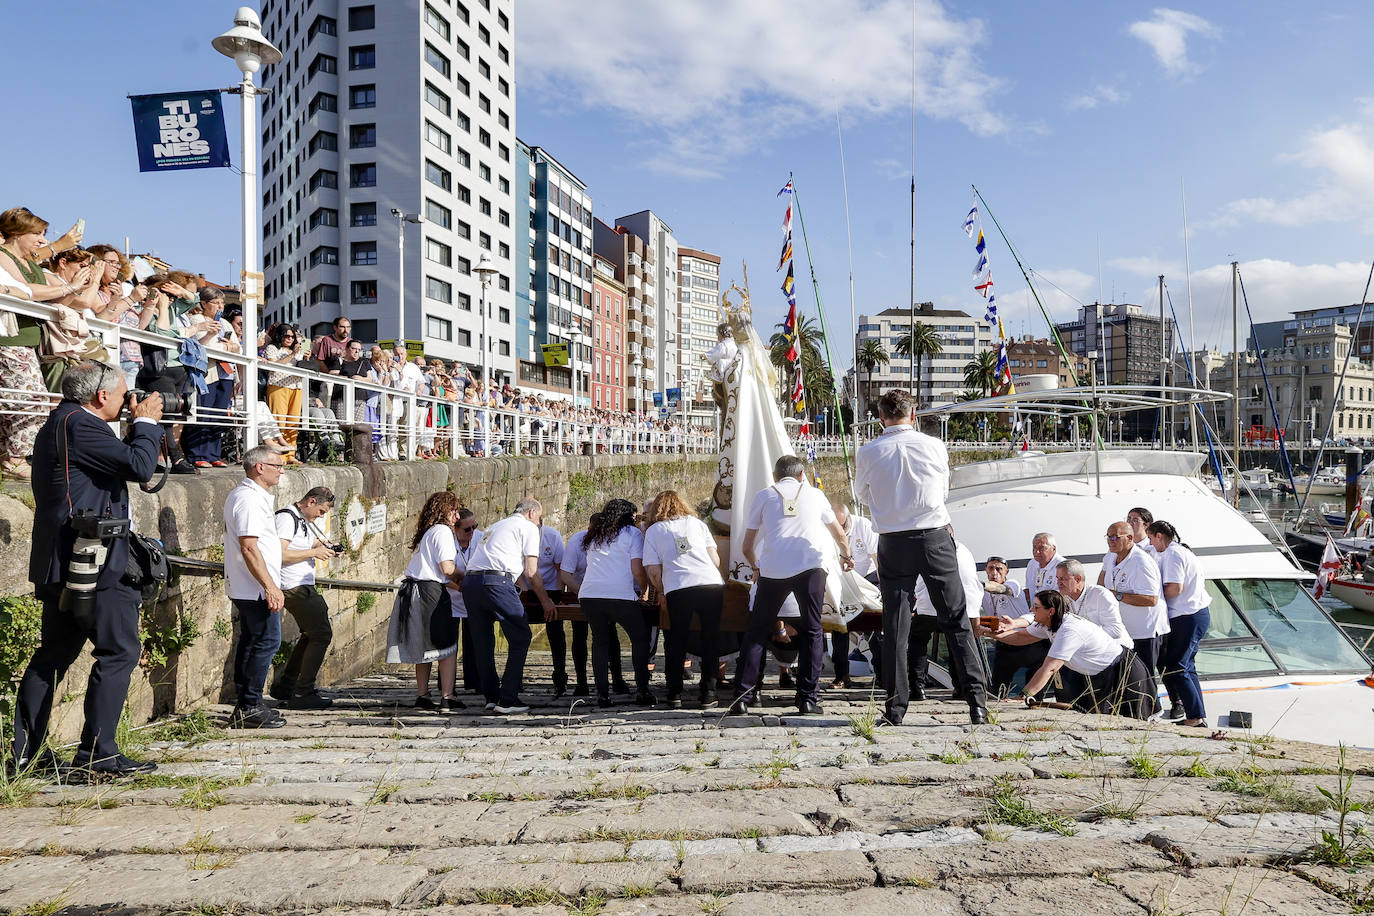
<point>1134,581</point>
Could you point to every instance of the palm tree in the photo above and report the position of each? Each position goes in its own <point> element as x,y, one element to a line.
<point>922,341</point>
<point>981,372</point>
<point>870,355</point>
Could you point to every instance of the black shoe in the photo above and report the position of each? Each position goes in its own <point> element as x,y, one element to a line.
<point>45,765</point>
<point>281,691</point>
<point>646,699</point>
<point>425,703</point>
<point>560,685</point>
<point>978,715</point>
<point>582,690</point>
<point>740,707</point>
<point>620,687</point>
<point>674,701</point>
<point>890,718</point>
<point>1174,714</point>
<point>604,702</point>
<point>809,708</point>
<point>918,693</point>
<point>785,680</point>
<point>115,767</point>
<point>707,700</point>
<point>312,700</point>
<point>453,704</point>
<point>259,716</point>
<point>185,467</point>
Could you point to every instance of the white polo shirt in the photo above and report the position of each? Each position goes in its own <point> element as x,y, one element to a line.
<point>609,574</point>
<point>1008,605</point>
<point>1109,560</point>
<point>293,529</point>
<point>789,545</point>
<point>968,577</point>
<point>1138,574</point>
<point>575,556</point>
<point>863,543</point>
<point>505,546</point>
<point>1039,579</point>
<point>550,555</point>
<point>248,513</point>
<point>903,478</point>
<point>1084,646</point>
<point>681,546</point>
<point>460,563</point>
<point>1180,565</point>
<point>437,545</point>
<point>1098,605</point>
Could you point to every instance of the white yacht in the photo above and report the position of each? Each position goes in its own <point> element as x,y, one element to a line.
<point>1272,651</point>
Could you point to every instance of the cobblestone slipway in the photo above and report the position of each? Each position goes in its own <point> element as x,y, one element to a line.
<point>372,807</point>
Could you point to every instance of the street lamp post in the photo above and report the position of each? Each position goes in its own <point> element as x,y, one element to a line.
<point>638,365</point>
<point>484,270</point>
<point>401,219</point>
<point>573,337</point>
<point>250,50</point>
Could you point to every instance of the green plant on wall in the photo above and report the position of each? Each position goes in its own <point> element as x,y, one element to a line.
<point>20,625</point>
<point>161,643</point>
<point>366,602</point>
<point>581,492</point>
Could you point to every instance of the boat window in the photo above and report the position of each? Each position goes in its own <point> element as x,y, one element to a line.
<point>1289,621</point>
<point>1226,623</point>
<point>1232,659</point>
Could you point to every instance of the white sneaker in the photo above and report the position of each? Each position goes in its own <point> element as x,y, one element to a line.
<point>518,707</point>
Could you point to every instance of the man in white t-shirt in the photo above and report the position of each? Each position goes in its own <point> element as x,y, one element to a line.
<point>467,536</point>
<point>301,545</point>
<point>509,550</point>
<point>1041,566</point>
<point>412,382</point>
<point>1135,582</point>
<point>550,558</point>
<point>794,530</point>
<point>252,577</point>
<point>1004,598</point>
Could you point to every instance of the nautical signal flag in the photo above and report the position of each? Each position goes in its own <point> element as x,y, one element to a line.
<point>982,270</point>
<point>984,286</point>
<point>969,220</point>
<point>786,254</point>
<point>789,288</point>
<point>787,188</point>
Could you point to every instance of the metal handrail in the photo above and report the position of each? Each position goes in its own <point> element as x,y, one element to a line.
<point>217,567</point>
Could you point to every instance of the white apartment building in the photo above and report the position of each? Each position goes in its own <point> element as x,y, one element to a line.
<point>942,375</point>
<point>404,105</point>
<point>662,286</point>
<point>698,315</point>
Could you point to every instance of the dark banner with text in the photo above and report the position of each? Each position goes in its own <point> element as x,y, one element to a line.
<point>180,130</point>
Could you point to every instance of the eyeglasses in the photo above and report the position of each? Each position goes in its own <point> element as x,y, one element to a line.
<point>466,528</point>
<point>268,464</point>
<point>1116,537</point>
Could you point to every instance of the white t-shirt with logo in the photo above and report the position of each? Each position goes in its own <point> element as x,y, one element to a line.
<point>1006,605</point>
<point>460,563</point>
<point>680,546</point>
<point>1138,574</point>
<point>1039,579</point>
<point>863,544</point>
<point>1084,646</point>
<point>608,566</point>
<point>293,529</point>
<point>1179,565</point>
<point>550,556</point>
<point>248,513</point>
<point>438,545</point>
<point>574,554</point>
<point>505,545</point>
<point>789,545</point>
<point>968,577</point>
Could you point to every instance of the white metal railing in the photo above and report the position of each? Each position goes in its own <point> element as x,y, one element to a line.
<point>405,421</point>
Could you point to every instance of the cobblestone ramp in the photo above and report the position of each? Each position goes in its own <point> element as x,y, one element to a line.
<point>371,807</point>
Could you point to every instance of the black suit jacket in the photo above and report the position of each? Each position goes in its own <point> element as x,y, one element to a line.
<point>94,473</point>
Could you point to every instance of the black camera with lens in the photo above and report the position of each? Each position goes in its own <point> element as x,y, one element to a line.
<point>174,406</point>
<point>89,553</point>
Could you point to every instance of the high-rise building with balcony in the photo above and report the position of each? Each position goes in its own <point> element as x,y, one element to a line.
<point>660,294</point>
<point>633,262</point>
<point>609,306</point>
<point>378,109</point>
<point>698,315</point>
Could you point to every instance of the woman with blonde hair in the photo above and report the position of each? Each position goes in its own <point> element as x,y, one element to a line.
<point>681,560</point>
<point>423,629</point>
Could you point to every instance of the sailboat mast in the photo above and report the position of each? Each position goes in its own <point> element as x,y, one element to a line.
<point>1163,378</point>
<point>911,331</point>
<point>1235,381</point>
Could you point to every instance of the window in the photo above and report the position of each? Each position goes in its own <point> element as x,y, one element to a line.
<point>322,25</point>
<point>464,337</point>
<point>362,175</point>
<point>484,137</point>
<point>503,86</point>
<point>436,22</point>
<point>504,20</point>
<point>484,171</point>
<point>503,250</point>
<point>438,252</point>
<point>505,153</point>
<point>461,82</point>
<point>437,99</point>
<point>324,217</point>
<point>462,47</point>
<point>439,215</point>
<point>462,12</point>
<point>324,178</point>
<point>503,316</point>
<point>463,158</point>
<point>362,96</point>
<point>362,292</point>
<point>324,255</point>
<point>437,137</point>
<point>484,239</point>
<point>362,57</point>
<point>504,120</point>
<point>484,68</point>
<point>484,33</point>
<point>504,348</point>
<point>361,18</point>
<point>323,140</point>
<point>464,229</point>
<point>363,253</point>
<point>464,265</point>
<point>364,214</point>
<point>438,290</point>
<point>503,54</point>
<point>361,136</point>
<point>436,60</point>
<point>465,302</point>
<point>503,284</point>
<point>503,218</point>
<point>464,194</point>
<point>485,206</point>
<point>462,121</point>
<point>438,328</point>
<point>504,185</point>
<point>436,175</point>
<point>324,292</point>
<point>323,101</point>
<point>323,63</point>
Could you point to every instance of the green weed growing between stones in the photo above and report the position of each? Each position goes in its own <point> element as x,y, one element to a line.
<point>193,728</point>
<point>47,907</point>
<point>864,723</point>
<point>20,626</point>
<point>1143,763</point>
<point>1260,783</point>
<point>1345,847</point>
<point>1007,805</point>
<point>366,602</point>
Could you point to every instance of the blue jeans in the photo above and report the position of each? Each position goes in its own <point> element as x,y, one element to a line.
<point>491,598</point>
<point>259,639</point>
<point>1179,661</point>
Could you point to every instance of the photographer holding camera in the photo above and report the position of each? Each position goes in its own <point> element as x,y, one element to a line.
<point>301,545</point>
<point>78,561</point>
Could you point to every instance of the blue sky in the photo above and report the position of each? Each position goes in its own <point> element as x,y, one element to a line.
<point>1078,121</point>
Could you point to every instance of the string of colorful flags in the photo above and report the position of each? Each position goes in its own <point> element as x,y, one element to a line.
<point>789,329</point>
<point>983,285</point>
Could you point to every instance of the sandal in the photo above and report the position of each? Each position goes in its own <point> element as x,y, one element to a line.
<point>16,470</point>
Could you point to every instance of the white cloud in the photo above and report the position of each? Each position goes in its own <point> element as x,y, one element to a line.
<point>1147,266</point>
<point>1167,36</point>
<point>1277,288</point>
<point>1100,94</point>
<point>1343,157</point>
<point>712,81</point>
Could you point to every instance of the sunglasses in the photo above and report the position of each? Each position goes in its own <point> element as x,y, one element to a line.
<point>467,528</point>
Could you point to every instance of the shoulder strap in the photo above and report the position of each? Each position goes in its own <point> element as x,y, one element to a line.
<point>298,521</point>
<point>30,272</point>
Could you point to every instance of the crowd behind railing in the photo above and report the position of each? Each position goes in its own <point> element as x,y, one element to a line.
<point>170,332</point>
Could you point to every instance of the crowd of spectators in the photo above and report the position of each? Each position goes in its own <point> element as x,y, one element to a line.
<point>299,416</point>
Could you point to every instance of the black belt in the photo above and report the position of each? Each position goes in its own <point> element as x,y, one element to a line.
<point>490,572</point>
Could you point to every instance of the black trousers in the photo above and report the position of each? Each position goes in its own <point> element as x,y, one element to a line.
<point>904,558</point>
<point>839,655</point>
<point>558,645</point>
<point>603,615</point>
<point>472,680</point>
<point>1008,659</point>
<point>310,611</point>
<point>705,602</point>
<point>809,589</point>
<point>115,647</point>
<point>1148,651</point>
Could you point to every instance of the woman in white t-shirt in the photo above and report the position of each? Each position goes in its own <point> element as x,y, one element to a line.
<point>682,562</point>
<point>423,629</point>
<point>609,594</point>
<point>1190,615</point>
<point>1117,680</point>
